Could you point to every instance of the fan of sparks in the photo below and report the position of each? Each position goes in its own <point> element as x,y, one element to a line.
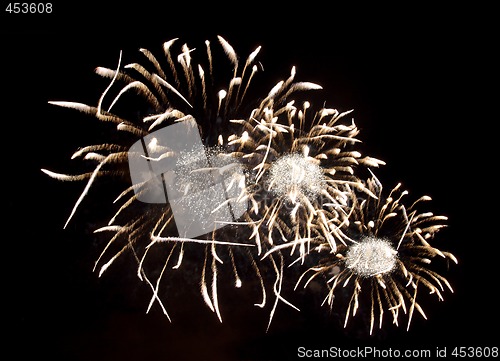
<point>300,191</point>
<point>385,251</point>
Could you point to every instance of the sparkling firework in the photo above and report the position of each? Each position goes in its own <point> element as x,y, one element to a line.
<point>386,251</point>
<point>288,175</point>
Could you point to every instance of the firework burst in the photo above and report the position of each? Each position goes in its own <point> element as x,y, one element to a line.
<point>386,251</point>
<point>180,93</point>
<point>288,176</point>
<point>302,168</point>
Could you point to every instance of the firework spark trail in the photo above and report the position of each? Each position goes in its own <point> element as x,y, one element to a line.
<point>300,186</point>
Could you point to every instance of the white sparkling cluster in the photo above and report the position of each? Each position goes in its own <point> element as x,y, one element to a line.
<point>203,190</point>
<point>294,174</point>
<point>371,257</point>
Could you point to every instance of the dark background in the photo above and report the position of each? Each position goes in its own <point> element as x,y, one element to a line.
<point>417,79</point>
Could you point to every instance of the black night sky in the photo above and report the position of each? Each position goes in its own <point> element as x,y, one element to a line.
<point>416,79</point>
